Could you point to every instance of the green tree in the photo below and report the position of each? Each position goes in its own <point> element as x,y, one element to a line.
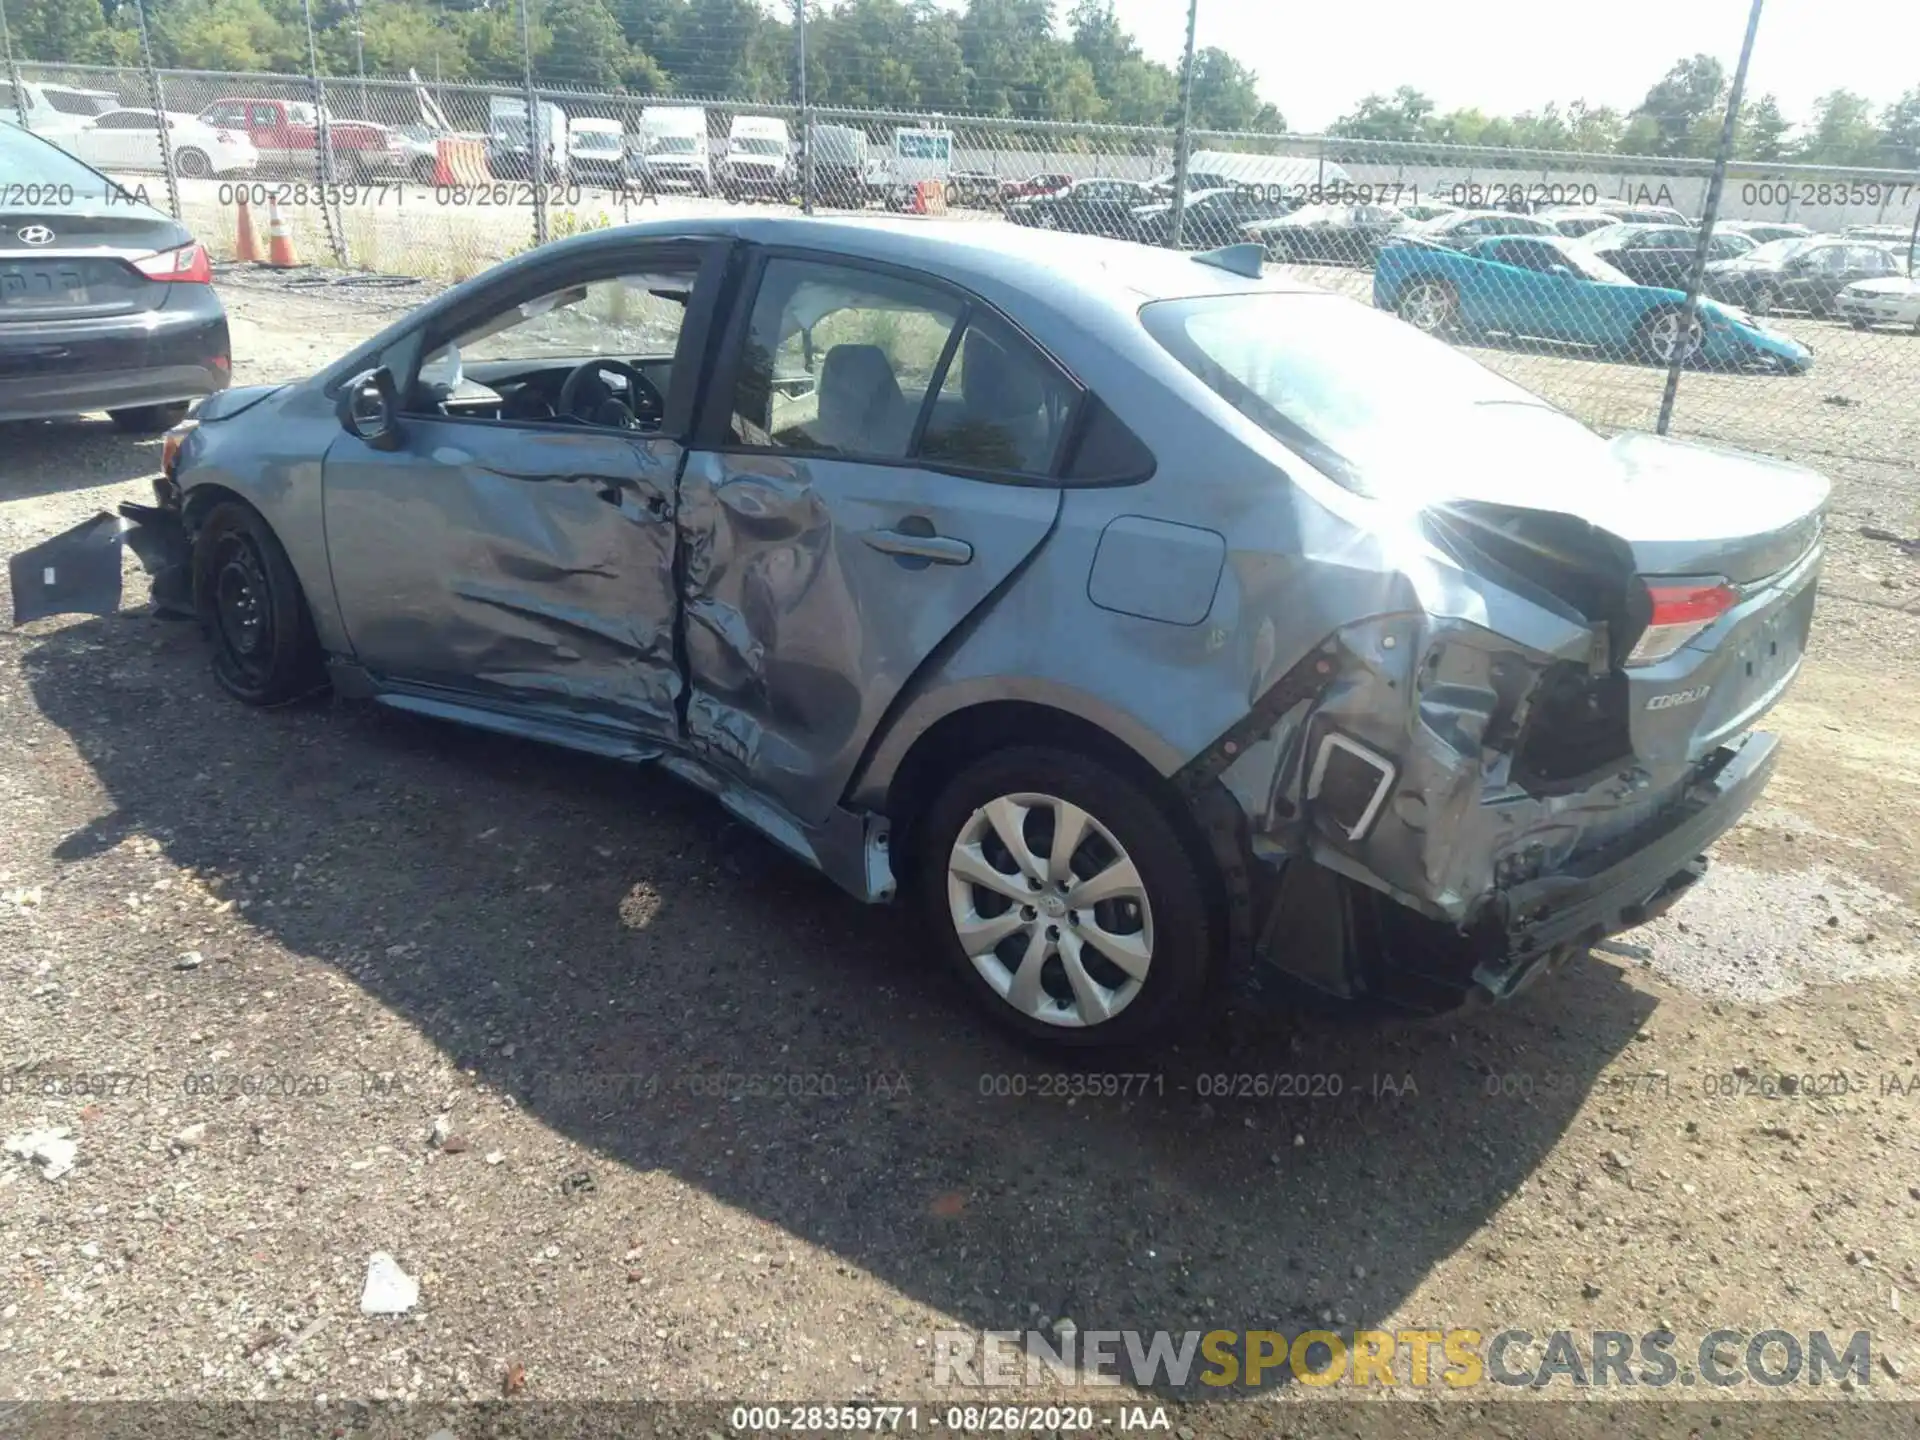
<point>1762,131</point>
<point>1593,128</point>
<point>1900,131</point>
<point>1226,95</point>
<point>588,49</point>
<point>1001,42</point>
<point>1682,112</point>
<point>1399,116</point>
<point>71,30</point>
<point>1842,132</point>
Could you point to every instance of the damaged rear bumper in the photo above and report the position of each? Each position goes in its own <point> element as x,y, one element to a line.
<point>1339,936</point>
<point>1627,883</point>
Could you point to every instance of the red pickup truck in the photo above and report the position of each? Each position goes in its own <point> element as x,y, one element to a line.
<point>286,133</point>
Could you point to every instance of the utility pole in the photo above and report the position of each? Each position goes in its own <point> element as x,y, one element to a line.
<point>323,146</point>
<point>1182,140</point>
<point>536,142</point>
<point>806,114</point>
<point>360,54</point>
<point>1690,315</point>
<point>13,71</point>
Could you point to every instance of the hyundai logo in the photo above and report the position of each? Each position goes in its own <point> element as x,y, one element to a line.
<point>34,235</point>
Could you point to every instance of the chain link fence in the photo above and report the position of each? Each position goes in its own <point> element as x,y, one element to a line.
<point>1567,271</point>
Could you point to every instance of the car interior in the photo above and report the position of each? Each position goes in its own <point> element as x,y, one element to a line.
<point>999,407</point>
<point>598,354</point>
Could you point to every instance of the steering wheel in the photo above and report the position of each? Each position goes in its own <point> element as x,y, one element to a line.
<point>645,406</point>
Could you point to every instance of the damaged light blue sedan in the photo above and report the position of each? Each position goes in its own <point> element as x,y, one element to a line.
<point>1138,615</point>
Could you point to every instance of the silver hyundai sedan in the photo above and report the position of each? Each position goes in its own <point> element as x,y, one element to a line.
<point>1140,616</point>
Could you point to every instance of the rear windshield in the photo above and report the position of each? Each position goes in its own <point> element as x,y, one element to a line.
<point>27,162</point>
<point>1368,400</point>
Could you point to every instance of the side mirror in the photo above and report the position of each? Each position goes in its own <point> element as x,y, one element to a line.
<point>370,409</point>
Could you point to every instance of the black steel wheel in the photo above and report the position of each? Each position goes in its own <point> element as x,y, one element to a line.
<point>264,648</point>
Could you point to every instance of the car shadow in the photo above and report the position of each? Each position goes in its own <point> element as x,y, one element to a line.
<point>51,457</point>
<point>611,922</point>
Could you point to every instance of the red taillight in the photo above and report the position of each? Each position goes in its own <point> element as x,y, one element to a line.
<point>188,263</point>
<point>1681,610</point>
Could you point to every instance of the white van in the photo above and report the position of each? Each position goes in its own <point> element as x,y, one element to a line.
<point>597,150</point>
<point>759,157</point>
<point>673,147</point>
<point>918,153</point>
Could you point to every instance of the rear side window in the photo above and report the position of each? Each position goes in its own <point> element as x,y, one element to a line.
<point>855,363</point>
<point>1000,405</point>
<point>839,361</point>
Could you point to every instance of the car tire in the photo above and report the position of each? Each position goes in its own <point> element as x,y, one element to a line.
<point>148,419</point>
<point>1428,304</point>
<point>1861,324</point>
<point>265,651</point>
<point>1660,329</point>
<point>192,164</point>
<point>1010,955</point>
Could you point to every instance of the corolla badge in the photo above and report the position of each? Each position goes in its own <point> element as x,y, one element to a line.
<point>1678,697</point>
<point>34,235</point>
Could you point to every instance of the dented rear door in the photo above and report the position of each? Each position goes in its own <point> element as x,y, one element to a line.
<point>815,587</point>
<point>528,567</point>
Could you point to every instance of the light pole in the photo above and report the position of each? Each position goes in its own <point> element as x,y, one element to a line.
<point>1690,314</point>
<point>13,71</point>
<point>360,54</point>
<point>806,114</point>
<point>1182,141</point>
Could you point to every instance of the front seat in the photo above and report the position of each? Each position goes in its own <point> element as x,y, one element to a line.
<point>862,411</point>
<point>1004,398</point>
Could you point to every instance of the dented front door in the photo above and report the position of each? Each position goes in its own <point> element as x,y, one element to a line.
<point>530,568</point>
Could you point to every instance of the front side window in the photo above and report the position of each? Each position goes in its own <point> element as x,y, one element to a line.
<point>627,315</point>
<point>531,346</point>
<point>848,362</point>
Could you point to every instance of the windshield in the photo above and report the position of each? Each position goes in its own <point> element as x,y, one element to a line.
<point>1362,395</point>
<point>1774,251</point>
<point>1587,264</point>
<point>33,162</point>
<point>674,145</point>
<point>608,140</point>
<point>755,145</point>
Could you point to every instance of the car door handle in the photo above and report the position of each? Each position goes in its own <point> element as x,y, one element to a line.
<point>938,549</point>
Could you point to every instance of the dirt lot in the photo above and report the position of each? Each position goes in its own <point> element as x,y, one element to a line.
<point>291,941</point>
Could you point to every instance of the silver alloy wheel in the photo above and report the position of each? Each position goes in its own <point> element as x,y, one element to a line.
<point>1427,306</point>
<point>1672,335</point>
<point>1050,909</point>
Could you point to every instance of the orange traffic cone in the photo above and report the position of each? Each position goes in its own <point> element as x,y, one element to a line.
<point>279,238</point>
<point>246,245</point>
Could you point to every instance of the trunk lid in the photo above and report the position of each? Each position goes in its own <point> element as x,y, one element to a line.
<point>73,262</point>
<point>1639,516</point>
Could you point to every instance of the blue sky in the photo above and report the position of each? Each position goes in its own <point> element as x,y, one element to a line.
<point>1315,59</point>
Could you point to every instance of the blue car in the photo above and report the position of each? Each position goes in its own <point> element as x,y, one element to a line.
<point>1549,287</point>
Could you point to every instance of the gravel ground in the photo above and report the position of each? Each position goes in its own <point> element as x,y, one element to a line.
<point>350,983</point>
